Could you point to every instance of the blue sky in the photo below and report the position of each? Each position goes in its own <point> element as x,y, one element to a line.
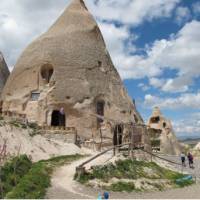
<point>155,45</point>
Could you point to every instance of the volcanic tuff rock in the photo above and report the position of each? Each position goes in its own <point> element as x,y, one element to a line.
<point>161,130</point>
<point>4,72</point>
<point>70,67</point>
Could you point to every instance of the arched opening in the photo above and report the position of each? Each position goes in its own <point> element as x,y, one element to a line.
<point>47,72</point>
<point>164,125</point>
<point>100,111</point>
<point>136,119</point>
<point>117,137</point>
<point>155,120</point>
<point>57,119</point>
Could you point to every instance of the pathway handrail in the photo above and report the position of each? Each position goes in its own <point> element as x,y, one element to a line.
<point>113,147</point>
<point>152,154</point>
<point>96,156</point>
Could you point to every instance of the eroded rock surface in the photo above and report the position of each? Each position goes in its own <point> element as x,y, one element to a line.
<point>68,67</point>
<point>162,134</point>
<point>4,72</point>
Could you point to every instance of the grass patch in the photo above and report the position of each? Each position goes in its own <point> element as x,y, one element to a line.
<point>33,185</point>
<point>35,179</point>
<point>35,129</point>
<point>61,160</point>
<point>185,183</point>
<point>121,187</point>
<point>15,123</point>
<point>12,172</point>
<point>131,170</point>
<point>155,142</point>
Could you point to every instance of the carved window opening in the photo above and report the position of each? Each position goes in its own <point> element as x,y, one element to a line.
<point>35,96</point>
<point>47,72</point>
<point>155,120</point>
<point>99,63</point>
<point>136,119</point>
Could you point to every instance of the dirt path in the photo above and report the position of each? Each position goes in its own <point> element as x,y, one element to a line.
<point>64,187</point>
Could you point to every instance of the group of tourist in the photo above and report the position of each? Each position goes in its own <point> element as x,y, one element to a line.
<point>190,159</point>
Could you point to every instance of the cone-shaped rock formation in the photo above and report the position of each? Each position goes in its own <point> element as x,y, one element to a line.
<point>162,134</point>
<point>68,68</point>
<point>4,72</point>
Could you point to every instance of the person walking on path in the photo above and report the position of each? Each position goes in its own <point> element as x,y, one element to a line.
<point>190,160</point>
<point>183,159</point>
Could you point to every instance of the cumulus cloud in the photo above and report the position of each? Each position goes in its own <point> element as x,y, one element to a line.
<point>179,52</point>
<point>116,44</point>
<point>189,125</point>
<point>182,14</point>
<point>143,86</point>
<point>186,100</point>
<point>22,21</point>
<point>133,11</point>
<point>156,82</point>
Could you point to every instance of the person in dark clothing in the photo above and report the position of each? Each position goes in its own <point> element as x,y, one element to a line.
<point>190,160</point>
<point>183,159</point>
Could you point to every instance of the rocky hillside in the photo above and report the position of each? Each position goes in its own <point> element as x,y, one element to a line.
<point>22,139</point>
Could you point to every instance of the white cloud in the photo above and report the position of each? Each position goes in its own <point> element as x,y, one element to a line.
<point>143,86</point>
<point>156,82</point>
<point>181,52</point>
<point>187,100</point>
<point>196,8</point>
<point>182,14</point>
<point>24,20</point>
<point>115,37</point>
<point>189,125</point>
<point>21,21</point>
<point>133,11</point>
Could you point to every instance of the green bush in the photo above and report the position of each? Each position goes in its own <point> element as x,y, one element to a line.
<point>155,142</point>
<point>122,186</point>
<point>15,123</point>
<point>33,185</point>
<point>12,172</point>
<point>30,180</point>
<point>185,183</point>
<point>129,169</point>
<point>33,125</point>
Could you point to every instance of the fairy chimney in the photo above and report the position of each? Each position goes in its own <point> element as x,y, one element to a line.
<point>162,134</point>
<point>4,73</point>
<point>68,68</point>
